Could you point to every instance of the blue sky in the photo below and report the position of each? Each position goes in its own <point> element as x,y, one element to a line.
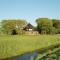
<point>29,9</point>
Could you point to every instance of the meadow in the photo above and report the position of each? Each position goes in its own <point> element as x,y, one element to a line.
<point>13,45</point>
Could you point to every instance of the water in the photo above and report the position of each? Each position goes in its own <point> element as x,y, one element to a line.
<point>26,56</point>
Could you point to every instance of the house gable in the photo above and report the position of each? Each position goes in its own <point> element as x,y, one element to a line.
<point>28,27</point>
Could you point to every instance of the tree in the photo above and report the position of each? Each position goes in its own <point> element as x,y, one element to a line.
<point>10,25</point>
<point>56,24</point>
<point>43,25</point>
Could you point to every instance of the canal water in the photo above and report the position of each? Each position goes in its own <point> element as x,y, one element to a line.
<point>26,56</point>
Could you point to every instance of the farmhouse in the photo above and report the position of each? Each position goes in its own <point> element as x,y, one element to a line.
<point>30,30</point>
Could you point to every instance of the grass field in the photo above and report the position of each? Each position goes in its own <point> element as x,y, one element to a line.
<point>16,45</point>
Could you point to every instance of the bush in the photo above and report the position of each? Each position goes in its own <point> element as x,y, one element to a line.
<point>20,32</point>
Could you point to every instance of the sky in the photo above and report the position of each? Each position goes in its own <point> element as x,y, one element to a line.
<point>29,10</point>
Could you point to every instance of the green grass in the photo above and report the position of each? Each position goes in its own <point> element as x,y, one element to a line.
<point>16,45</point>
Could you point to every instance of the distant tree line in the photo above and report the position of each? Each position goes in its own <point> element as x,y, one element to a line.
<point>44,26</point>
<point>48,26</point>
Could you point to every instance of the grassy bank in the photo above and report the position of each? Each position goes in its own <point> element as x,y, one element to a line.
<point>15,45</point>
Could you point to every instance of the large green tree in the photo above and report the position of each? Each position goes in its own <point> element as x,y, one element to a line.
<point>56,24</point>
<point>44,25</point>
<point>13,24</point>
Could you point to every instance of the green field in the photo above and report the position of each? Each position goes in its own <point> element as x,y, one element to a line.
<point>11,45</point>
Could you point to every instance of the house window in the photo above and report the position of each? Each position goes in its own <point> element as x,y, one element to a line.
<point>30,29</point>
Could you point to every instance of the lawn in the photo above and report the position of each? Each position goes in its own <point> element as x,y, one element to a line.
<point>12,45</point>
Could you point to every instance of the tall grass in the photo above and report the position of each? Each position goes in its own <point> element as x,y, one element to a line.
<point>16,45</point>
